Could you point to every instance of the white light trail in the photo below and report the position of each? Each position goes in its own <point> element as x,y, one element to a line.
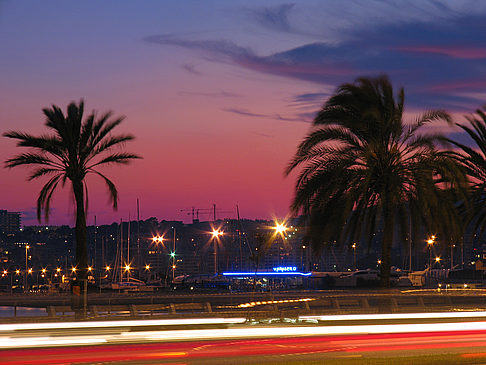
<point>386,316</point>
<point>108,324</point>
<point>128,333</point>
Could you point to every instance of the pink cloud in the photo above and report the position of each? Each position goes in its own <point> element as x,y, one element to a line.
<point>471,53</point>
<point>459,85</point>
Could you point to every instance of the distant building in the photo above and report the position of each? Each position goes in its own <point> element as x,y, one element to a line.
<point>9,222</point>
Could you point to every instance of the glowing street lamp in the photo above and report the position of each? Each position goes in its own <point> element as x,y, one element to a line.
<point>158,240</point>
<point>107,268</point>
<point>216,234</point>
<point>58,269</point>
<point>354,255</point>
<point>27,247</point>
<point>147,267</point>
<point>73,269</point>
<point>280,228</point>
<point>430,244</point>
<point>127,268</point>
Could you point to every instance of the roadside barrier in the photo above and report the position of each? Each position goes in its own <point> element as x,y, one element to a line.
<point>281,308</point>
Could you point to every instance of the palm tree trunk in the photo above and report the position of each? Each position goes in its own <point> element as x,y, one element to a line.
<point>386,245</point>
<point>81,243</point>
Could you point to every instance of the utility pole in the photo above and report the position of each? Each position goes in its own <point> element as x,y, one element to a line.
<point>174,256</point>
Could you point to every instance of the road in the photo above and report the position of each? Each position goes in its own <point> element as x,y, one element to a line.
<point>445,338</point>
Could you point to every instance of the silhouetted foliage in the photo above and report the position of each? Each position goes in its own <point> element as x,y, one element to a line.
<point>473,158</point>
<point>76,148</point>
<point>363,169</point>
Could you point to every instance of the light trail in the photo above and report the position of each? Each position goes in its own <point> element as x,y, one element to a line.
<point>387,316</point>
<point>67,334</point>
<point>124,323</point>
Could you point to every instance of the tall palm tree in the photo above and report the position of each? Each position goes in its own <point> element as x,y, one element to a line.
<point>473,158</point>
<point>364,173</point>
<point>76,148</point>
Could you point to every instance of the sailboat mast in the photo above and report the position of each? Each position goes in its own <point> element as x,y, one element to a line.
<point>128,247</point>
<point>239,236</point>
<point>121,249</point>
<point>138,242</point>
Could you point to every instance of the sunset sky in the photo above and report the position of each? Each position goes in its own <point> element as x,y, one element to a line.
<point>219,93</point>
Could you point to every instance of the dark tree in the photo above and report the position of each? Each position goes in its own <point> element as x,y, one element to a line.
<point>473,158</point>
<point>362,170</point>
<point>76,148</point>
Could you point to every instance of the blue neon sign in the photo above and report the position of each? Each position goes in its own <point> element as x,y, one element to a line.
<point>285,269</point>
<point>268,273</point>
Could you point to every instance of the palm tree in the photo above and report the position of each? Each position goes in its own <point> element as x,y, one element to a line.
<point>364,173</point>
<point>473,158</point>
<point>78,147</point>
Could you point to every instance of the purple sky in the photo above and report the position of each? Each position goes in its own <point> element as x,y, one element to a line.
<point>219,93</point>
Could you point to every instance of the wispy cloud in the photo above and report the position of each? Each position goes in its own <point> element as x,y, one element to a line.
<point>247,113</point>
<point>437,63</point>
<point>191,69</point>
<point>219,94</point>
<point>274,17</point>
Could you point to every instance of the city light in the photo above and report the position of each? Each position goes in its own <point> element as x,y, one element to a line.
<point>216,233</point>
<point>437,259</point>
<point>17,272</point>
<point>5,272</point>
<point>147,267</point>
<point>158,239</point>
<point>73,269</point>
<point>172,254</point>
<point>107,268</point>
<point>280,228</point>
<point>58,269</point>
<point>44,271</point>
<point>90,268</point>
<point>30,271</point>
<point>127,268</point>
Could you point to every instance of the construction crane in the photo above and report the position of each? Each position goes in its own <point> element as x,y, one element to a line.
<point>194,212</point>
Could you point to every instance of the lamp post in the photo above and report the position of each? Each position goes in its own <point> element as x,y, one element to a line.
<point>147,269</point>
<point>430,244</point>
<point>216,233</point>
<point>280,228</point>
<point>354,256</point>
<point>158,240</point>
<point>173,255</point>
<point>26,267</point>
<point>437,259</point>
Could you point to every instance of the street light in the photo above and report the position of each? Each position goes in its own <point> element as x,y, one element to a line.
<point>26,267</point>
<point>354,255</point>
<point>430,244</point>
<point>173,257</point>
<point>216,233</point>
<point>158,240</point>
